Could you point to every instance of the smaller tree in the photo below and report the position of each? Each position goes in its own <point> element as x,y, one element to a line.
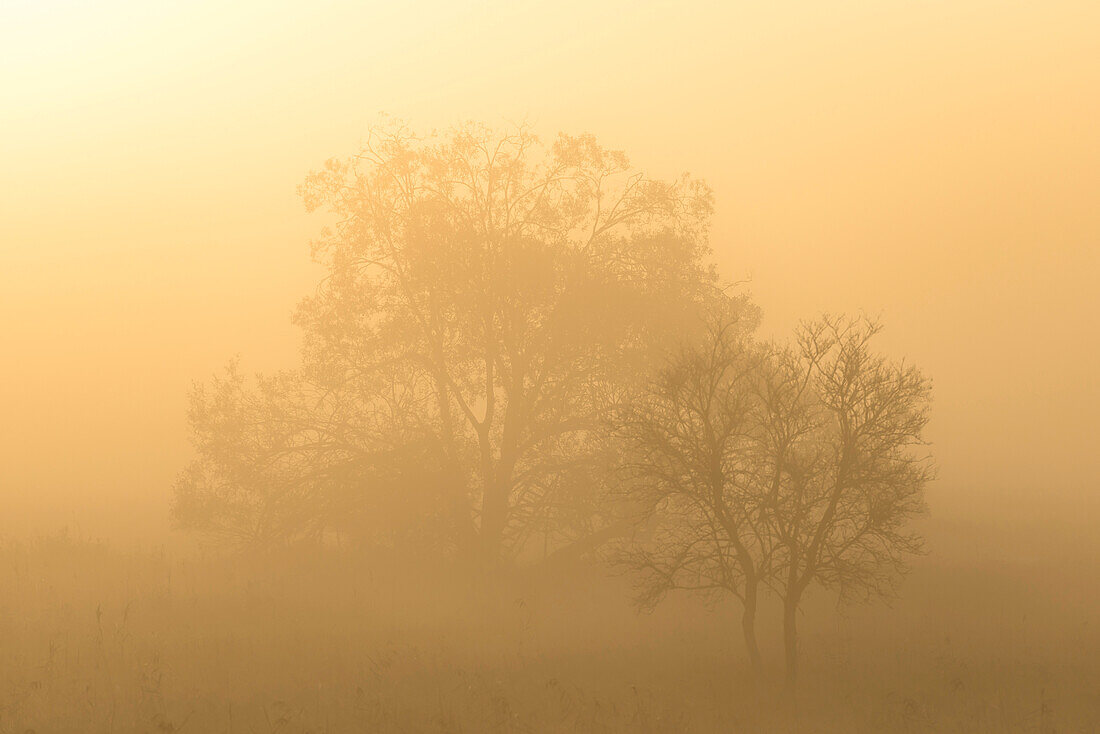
<point>754,468</point>
<point>691,470</point>
<point>841,436</point>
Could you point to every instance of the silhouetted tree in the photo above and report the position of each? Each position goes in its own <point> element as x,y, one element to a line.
<point>691,466</point>
<point>842,439</point>
<point>755,467</point>
<point>486,298</point>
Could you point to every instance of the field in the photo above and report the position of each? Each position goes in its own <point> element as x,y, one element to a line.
<point>98,639</point>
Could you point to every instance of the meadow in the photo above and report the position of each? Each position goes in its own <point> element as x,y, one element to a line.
<point>104,639</point>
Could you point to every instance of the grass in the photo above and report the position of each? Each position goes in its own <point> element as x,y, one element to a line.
<point>97,639</point>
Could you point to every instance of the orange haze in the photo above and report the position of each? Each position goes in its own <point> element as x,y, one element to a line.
<point>937,163</point>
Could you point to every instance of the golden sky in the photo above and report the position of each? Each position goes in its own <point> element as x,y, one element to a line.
<point>934,162</point>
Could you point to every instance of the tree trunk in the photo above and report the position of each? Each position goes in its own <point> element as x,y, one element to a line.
<point>496,504</point>
<point>494,509</point>
<point>790,643</point>
<point>748,628</point>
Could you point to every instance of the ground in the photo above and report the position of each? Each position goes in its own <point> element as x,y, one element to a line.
<point>98,639</point>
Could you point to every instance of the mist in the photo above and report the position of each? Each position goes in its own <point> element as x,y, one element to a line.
<point>877,187</point>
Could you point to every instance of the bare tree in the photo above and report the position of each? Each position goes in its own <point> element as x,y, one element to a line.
<point>842,437</point>
<point>485,299</point>
<point>757,468</point>
<point>690,468</point>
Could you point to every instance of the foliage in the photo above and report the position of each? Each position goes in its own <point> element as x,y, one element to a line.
<point>486,300</point>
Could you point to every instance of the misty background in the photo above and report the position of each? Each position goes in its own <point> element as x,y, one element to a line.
<point>934,164</point>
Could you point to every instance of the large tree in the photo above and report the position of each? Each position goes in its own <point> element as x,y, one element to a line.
<point>486,299</point>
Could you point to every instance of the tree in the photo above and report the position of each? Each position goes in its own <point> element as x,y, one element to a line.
<point>486,299</point>
<point>691,468</point>
<point>842,439</point>
<point>756,467</point>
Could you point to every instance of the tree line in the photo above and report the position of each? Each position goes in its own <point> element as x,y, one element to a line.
<point>521,352</point>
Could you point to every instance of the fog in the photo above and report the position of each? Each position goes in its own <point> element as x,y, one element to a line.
<point>933,166</point>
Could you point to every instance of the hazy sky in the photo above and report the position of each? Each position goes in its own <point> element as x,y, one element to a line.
<point>937,163</point>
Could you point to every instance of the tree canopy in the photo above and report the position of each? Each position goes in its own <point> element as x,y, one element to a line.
<point>486,300</point>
